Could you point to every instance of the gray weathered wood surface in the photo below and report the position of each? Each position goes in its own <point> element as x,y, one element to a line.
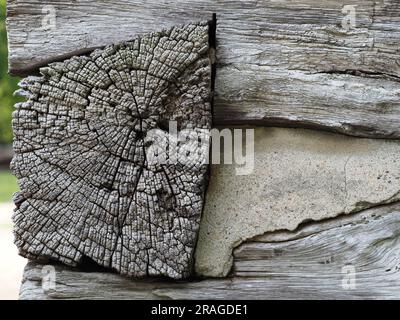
<point>309,263</point>
<point>95,166</point>
<point>287,63</point>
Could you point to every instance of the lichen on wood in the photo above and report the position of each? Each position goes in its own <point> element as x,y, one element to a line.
<point>87,189</point>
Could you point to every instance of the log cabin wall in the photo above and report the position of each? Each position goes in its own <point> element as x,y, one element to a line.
<point>319,216</point>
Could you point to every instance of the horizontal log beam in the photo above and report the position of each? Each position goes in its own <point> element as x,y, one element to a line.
<point>316,261</point>
<point>280,62</point>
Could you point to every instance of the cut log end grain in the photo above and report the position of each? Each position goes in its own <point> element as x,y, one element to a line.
<point>87,187</point>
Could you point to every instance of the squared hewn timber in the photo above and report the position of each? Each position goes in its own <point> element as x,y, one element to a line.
<point>84,143</point>
<point>281,62</point>
<point>350,257</point>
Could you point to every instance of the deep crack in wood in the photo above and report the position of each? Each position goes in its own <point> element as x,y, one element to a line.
<point>87,189</point>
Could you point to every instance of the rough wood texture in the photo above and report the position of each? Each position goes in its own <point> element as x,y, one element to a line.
<point>288,63</point>
<point>304,264</point>
<point>81,147</point>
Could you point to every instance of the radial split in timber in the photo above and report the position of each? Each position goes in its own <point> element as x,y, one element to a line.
<point>87,188</point>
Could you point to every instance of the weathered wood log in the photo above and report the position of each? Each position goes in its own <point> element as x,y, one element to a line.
<point>350,257</point>
<point>285,63</point>
<point>279,63</point>
<point>82,145</point>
